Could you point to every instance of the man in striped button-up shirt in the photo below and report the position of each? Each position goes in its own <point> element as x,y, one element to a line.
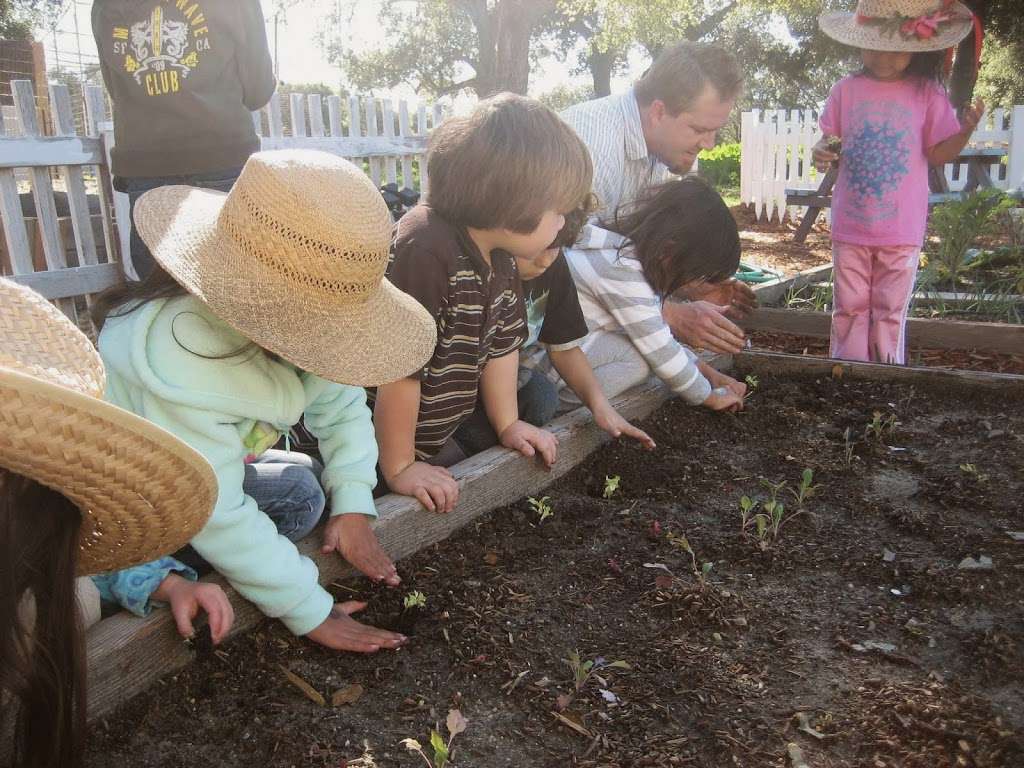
<point>636,139</point>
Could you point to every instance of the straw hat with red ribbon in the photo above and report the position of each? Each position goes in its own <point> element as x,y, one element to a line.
<point>900,25</point>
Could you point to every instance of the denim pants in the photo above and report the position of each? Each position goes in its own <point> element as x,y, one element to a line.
<point>286,488</point>
<point>538,400</point>
<point>141,258</point>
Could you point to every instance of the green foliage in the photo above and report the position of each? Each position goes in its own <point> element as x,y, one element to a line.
<point>542,507</point>
<point>611,485</point>
<point>564,96</point>
<point>1001,79</point>
<point>414,599</point>
<point>958,224</point>
<point>720,166</point>
<point>441,749</point>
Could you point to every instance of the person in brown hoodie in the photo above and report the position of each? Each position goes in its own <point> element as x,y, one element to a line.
<point>183,77</point>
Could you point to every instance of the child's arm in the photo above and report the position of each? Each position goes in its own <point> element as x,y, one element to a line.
<point>394,417</point>
<point>498,391</point>
<point>171,581</point>
<point>947,151</point>
<point>572,365</point>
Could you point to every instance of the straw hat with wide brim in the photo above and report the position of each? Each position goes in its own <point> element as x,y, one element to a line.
<point>293,257</point>
<point>142,492</point>
<point>900,25</point>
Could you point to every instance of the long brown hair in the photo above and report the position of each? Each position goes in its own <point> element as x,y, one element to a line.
<point>129,295</point>
<point>681,232</point>
<point>42,666</point>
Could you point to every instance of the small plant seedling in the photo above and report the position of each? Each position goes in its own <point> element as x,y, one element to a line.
<point>441,749</point>
<point>879,426</point>
<point>805,489</point>
<point>582,671</point>
<point>747,507</point>
<point>752,383</point>
<point>414,599</point>
<point>973,471</point>
<point>611,485</point>
<point>684,544</point>
<point>542,507</point>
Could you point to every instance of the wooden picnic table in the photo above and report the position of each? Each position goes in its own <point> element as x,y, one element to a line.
<point>978,162</point>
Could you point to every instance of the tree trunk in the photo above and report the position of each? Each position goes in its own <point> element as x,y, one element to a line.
<point>961,81</point>
<point>601,65</point>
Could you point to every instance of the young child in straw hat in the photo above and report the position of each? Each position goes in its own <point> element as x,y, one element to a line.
<point>270,305</point>
<point>85,488</point>
<point>892,120</point>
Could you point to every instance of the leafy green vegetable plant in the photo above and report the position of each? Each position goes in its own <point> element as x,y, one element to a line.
<point>414,599</point>
<point>611,485</point>
<point>805,489</point>
<point>542,507</point>
<point>440,748</point>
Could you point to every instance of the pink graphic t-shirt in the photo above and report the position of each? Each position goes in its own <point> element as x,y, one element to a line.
<point>881,195</point>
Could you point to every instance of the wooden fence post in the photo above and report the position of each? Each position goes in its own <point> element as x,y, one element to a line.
<point>95,115</point>
<point>78,201</point>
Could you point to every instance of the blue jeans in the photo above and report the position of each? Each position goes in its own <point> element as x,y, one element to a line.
<point>286,488</point>
<point>221,181</point>
<point>538,401</point>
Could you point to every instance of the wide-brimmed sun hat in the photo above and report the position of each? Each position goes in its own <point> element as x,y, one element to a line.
<point>900,25</point>
<point>293,257</point>
<point>143,493</point>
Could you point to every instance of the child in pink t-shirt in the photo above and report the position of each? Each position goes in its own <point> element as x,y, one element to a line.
<point>893,119</point>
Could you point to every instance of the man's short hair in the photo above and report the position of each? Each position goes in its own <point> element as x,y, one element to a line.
<point>506,163</point>
<point>681,71</point>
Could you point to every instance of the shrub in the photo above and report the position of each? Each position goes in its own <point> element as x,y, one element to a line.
<point>720,166</point>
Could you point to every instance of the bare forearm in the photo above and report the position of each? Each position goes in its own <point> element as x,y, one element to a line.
<point>394,421</point>
<point>574,368</point>
<point>498,391</point>
<point>947,151</point>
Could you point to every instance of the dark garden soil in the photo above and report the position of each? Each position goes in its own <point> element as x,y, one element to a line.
<point>854,635</point>
<point>962,359</point>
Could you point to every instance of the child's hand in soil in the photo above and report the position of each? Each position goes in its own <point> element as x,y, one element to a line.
<point>723,399</point>
<point>734,294</point>
<point>353,538</point>
<point>434,487</point>
<point>530,440</point>
<point>612,422</point>
<point>187,597</point>
<point>822,155</point>
<point>340,632</point>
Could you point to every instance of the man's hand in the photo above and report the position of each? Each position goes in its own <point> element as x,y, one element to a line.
<point>435,487</point>
<point>702,325</point>
<point>612,422</point>
<point>340,632</point>
<point>530,440</point>
<point>351,536</point>
<point>732,293</point>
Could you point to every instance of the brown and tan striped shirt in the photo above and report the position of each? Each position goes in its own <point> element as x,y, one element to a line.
<point>479,312</point>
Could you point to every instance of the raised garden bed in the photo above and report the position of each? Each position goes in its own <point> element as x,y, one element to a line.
<point>862,635</point>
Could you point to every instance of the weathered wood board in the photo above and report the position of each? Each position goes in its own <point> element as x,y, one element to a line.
<point>1004,338</point>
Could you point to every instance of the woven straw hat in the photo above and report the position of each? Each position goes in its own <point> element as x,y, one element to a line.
<point>900,25</point>
<point>143,493</point>
<point>294,258</point>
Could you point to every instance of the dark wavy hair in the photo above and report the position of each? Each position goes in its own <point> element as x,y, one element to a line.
<point>681,232</point>
<point>42,665</point>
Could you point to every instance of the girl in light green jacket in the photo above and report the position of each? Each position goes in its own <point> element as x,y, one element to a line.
<point>269,306</point>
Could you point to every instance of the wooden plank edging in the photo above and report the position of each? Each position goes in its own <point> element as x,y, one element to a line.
<point>125,653</point>
<point>773,290</point>
<point>1004,338</point>
<point>774,363</point>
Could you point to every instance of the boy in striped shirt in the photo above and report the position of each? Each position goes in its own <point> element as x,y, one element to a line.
<point>501,180</point>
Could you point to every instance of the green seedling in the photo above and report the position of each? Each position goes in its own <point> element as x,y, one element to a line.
<point>973,471</point>
<point>582,670</point>
<point>805,489</point>
<point>774,488</point>
<point>879,426</point>
<point>747,507</point>
<point>752,384</point>
<point>611,485</point>
<point>440,748</point>
<point>414,599</point>
<point>542,507</point>
<point>683,543</point>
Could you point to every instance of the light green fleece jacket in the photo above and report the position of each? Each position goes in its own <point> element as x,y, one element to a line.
<point>157,369</point>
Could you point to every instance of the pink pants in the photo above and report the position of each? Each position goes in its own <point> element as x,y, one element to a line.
<point>872,286</point>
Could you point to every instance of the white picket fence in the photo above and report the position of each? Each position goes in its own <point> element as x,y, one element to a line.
<point>72,245</point>
<point>775,155</point>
